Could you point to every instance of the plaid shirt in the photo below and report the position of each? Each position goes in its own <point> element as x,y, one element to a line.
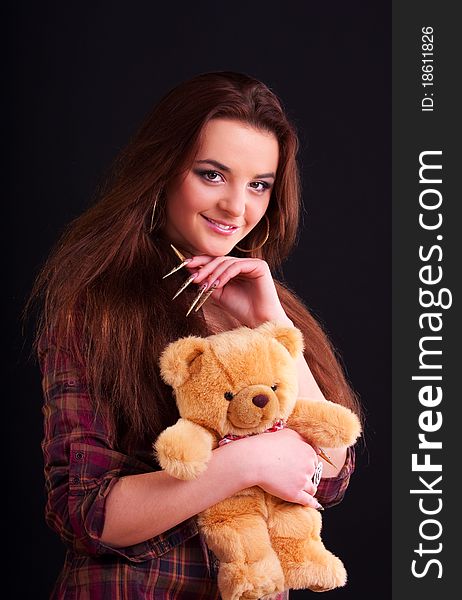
<point>81,467</point>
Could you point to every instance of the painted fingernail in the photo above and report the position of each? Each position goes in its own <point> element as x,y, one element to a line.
<point>177,268</point>
<point>185,284</point>
<point>323,455</point>
<point>177,252</point>
<point>197,298</point>
<point>207,295</point>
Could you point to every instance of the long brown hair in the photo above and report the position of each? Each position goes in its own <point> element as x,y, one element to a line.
<point>101,295</point>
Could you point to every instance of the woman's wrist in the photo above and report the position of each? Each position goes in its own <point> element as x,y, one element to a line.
<point>244,468</point>
<point>280,317</point>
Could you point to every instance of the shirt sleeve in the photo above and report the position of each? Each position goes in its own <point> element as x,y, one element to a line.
<point>331,490</point>
<point>81,465</point>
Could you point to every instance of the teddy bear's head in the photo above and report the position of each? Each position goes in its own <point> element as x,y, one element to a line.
<point>236,382</point>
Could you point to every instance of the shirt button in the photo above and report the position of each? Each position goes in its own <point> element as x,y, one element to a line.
<point>79,455</point>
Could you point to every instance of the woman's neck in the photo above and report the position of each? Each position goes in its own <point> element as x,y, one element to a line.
<point>217,319</point>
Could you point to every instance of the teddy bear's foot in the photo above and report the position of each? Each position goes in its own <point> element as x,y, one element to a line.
<point>321,575</point>
<point>250,581</point>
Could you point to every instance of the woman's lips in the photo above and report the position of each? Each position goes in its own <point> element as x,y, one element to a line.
<point>217,228</point>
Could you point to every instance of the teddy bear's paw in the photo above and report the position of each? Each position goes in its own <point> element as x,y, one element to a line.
<point>183,450</point>
<point>324,423</point>
<point>317,576</point>
<point>349,426</point>
<point>183,470</point>
<point>251,581</point>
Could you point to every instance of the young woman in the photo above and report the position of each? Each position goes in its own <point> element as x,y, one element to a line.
<point>213,171</point>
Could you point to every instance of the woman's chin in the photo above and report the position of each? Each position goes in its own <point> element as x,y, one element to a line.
<point>216,247</point>
<point>205,246</point>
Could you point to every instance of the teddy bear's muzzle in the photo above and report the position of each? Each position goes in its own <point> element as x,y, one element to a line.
<point>254,410</point>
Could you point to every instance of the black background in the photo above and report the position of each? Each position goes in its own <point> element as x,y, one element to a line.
<point>81,76</point>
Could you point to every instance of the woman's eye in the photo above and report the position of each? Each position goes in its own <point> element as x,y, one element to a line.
<point>264,184</point>
<point>209,175</point>
<point>214,176</point>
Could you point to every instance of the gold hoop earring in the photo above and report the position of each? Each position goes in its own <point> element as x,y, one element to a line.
<point>153,211</point>
<point>264,241</point>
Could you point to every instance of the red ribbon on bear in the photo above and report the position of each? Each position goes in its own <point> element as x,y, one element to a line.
<point>277,426</point>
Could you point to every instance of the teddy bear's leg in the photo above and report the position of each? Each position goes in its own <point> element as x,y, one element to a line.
<point>295,535</point>
<point>236,531</point>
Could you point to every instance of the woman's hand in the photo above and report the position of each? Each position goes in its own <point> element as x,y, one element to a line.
<point>246,289</point>
<point>282,464</point>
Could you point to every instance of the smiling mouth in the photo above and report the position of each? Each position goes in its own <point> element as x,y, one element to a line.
<point>220,225</point>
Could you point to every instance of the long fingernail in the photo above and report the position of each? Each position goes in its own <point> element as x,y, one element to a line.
<point>177,252</point>
<point>319,506</point>
<point>177,268</point>
<point>185,284</point>
<point>197,298</point>
<point>323,455</point>
<point>207,295</point>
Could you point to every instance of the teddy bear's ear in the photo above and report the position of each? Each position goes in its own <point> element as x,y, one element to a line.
<point>290,337</point>
<point>177,359</point>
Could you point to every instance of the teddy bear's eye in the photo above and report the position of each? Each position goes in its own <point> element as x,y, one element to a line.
<point>229,395</point>
<point>274,387</point>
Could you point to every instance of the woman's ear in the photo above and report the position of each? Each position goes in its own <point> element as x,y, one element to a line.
<point>176,361</point>
<point>290,337</point>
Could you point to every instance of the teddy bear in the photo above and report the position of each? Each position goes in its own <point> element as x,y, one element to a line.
<point>233,384</point>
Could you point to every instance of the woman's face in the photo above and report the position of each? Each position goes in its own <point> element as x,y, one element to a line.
<point>230,182</point>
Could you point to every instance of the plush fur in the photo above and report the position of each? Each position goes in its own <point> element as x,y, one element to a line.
<point>264,544</point>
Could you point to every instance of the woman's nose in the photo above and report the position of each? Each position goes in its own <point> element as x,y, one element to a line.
<point>234,203</point>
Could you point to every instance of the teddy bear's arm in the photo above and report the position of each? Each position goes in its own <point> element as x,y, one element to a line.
<point>184,449</point>
<point>325,423</point>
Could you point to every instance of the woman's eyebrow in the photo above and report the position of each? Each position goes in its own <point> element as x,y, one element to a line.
<point>218,165</point>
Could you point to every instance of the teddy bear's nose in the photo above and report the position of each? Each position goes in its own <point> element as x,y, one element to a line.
<point>261,400</point>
